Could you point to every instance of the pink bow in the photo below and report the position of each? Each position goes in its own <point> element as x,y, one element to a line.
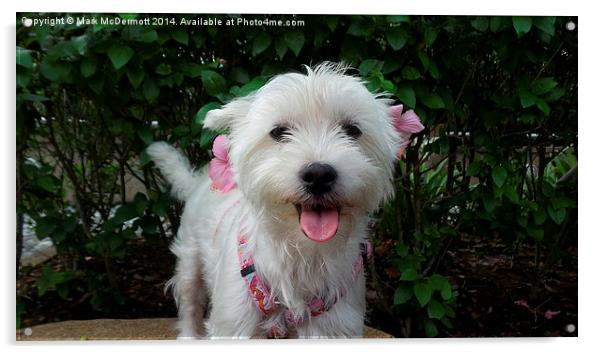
<point>405,124</point>
<point>220,171</point>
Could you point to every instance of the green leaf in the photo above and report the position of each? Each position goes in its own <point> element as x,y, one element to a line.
<point>499,175</point>
<point>522,25</point>
<point>332,22</point>
<point>49,279</point>
<point>32,98</point>
<point>401,250</point>
<point>141,34</point>
<point>120,55</point>
<point>545,23</point>
<point>555,94</point>
<point>474,168</point>
<point>163,69</point>
<point>410,73</point>
<point>87,67</point>
<point>181,130</point>
<point>45,227</point>
<point>390,66</point>
<point>358,28</point>
<point>495,23</point>
<point>140,203</point>
<point>239,74</point>
<point>48,183</point>
<point>213,82</point>
<point>409,274</point>
<point>193,70</point>
<point>540,216</point>
<point>24,58</point>
<point>543,106</point>
<point>150,90</point>
<point>433,101</point>
<point>124,213</point>
<point>441,284</point>
<point>398,18</point>
<point>480,23</point>
<point>543,85</point>
<point>23,77</point>
<point>135,76</point>
<point>511,193</point>
<point>145,134</point>
<point>430,35</point>
<point>434,70</point>
<point>449,312</point>
<point>423,292</point>
<point>446,292</point>
<point>424,59</point>
<point>207,137</point>
<point>251,86</point>
<point>536,233</point>
<point>402,295</point>
<point>261,42</point>
<point>489,203</point>
<point>79,44</point>
<point>281,47</point>
<point>435,309</point>
<point>562,202</point>
<point>61,50</point>
<point>295,41</point>
<point>397,38</point>
<point>430,328</point>
<point>199,118</point>
<point>370,65</point>
<point>179,35</point>
<point>54,71</point>
<point>407,96</point>
<point>558,215</point>
<point>527,99</point>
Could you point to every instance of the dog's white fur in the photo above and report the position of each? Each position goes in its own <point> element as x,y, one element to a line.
<point>296,268</point>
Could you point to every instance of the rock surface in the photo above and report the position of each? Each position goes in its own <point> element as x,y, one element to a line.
<point>113,329</point>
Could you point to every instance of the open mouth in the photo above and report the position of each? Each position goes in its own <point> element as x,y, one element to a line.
<point>318,222</point>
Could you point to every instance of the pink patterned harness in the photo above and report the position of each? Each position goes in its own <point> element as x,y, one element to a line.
<point>267,304</point>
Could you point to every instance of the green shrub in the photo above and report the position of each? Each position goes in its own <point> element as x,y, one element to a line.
<point>497,94</point>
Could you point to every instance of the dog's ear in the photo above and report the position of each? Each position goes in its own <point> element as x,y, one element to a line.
<point>405,125</point>
<point>226,116</point>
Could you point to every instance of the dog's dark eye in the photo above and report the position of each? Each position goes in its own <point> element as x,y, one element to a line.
<point>279,133</point>
<point>352,130</point>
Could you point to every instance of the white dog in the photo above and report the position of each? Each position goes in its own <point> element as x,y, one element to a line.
<point>273,231</point>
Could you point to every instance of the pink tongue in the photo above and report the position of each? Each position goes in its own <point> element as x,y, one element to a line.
<point>319,225</point>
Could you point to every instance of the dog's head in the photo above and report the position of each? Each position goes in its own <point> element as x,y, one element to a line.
<point>314,151</point>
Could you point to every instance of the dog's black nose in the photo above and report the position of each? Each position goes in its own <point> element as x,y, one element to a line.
<point>318,178</point>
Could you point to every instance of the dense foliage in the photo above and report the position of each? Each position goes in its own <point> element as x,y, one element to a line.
<point>498,96</point>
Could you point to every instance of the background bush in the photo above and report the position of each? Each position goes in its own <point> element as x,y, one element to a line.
<point>498,96</point>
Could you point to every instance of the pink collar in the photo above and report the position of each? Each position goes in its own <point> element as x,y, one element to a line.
<point>267,303</point>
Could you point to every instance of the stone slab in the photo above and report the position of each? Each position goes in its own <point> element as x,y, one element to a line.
<point>116,329</point>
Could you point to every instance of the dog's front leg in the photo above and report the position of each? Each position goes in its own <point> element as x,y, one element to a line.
<point>344,320</point>
<point>233,314</point>
<point>188,288</point>
<point>348,322</point>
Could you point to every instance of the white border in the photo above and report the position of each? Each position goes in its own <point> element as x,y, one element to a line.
<point>589,181</point>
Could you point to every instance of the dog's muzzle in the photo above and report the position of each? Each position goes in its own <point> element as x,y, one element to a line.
<point>319,221</point>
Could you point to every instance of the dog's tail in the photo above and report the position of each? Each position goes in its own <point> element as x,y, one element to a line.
<point>175,168</point>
